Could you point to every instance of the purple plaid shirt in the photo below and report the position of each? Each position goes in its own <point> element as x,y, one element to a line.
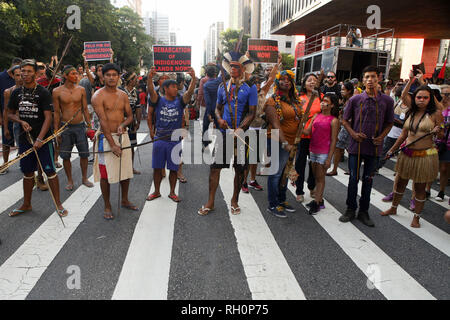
<point>369,107</point>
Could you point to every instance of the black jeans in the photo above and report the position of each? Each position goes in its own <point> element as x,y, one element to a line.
<point>370,163</point>
<point>300,166</point>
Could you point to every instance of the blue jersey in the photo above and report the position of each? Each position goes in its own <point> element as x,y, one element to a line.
<point>169,115</point>
<point>247,96</point>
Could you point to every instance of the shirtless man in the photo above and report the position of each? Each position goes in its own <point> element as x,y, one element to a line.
<point>110,105</point>
<point>7,94</point>
<point>67,101</point>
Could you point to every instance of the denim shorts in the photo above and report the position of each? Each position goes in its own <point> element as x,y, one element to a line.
<point>318,158</point>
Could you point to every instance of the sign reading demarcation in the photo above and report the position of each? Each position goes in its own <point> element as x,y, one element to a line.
<point>172,58</point>
<point>263,51</point>
<point>98,50</point>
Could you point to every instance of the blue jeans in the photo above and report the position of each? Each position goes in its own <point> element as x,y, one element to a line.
<point>370,164</point>
<point>276,193</point>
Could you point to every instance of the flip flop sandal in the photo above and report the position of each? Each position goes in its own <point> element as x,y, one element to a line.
<point>182,180</point>
<point>69,188</point>
<point>331,174</point>
<point>175,198</point>
<point>153,197</point>
<point>63,213</point>
<point>235,211</point>
<point>17,212</point>
<point>130,207</point>
<point>204,211</point>
<point>108,216</point>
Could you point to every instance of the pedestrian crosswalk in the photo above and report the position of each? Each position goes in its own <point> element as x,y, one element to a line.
<point>167,251</point>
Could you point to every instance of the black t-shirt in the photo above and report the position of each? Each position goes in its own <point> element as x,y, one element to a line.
<point>31,104</point>
<point>334,89</point>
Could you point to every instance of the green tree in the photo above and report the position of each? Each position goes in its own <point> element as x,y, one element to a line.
<point>38,29</point>
<point>229,39</point>
<point>288,61</point>
<point>395,70</point>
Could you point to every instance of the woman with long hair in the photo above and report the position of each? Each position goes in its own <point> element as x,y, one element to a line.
<point>309,83</point>
<point>342,144</point>
<point>324,130</point>
<point>284,113</point>
<point>418,162</point>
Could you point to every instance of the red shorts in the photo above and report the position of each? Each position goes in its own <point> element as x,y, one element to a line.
<point>103,172</point>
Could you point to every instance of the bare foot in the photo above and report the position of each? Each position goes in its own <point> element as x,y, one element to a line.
<point>415,223</point>
<point>391,211</point>
<point>88,184</point>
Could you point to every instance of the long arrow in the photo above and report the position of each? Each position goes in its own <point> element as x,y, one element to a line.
<point>64,53</point>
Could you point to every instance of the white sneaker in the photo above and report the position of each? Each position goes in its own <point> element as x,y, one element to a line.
<point>300,199</point>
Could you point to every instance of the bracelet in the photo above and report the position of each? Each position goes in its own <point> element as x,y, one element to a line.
<point>39,140</point>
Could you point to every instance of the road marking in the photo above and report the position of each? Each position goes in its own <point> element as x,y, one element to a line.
<point>389,174</point>
<point>428,232</point>
<point>145,272</point>
<point>390,279</point>
<point>268,273</point>
<point>14,192</point>
<point>20,273</point>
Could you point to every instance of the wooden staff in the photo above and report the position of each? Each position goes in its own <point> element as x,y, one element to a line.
<point>8,164</point>
<point>64,53</point>
<point>46,177</point>
<point>120,175</point>
<point>298,139</point>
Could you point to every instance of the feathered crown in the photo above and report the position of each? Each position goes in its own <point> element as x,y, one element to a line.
<point>242,60</point>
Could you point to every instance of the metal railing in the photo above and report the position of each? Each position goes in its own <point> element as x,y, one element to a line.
<point>377,39</point>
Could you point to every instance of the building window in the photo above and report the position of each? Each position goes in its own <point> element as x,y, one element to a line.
<point>288,44</point>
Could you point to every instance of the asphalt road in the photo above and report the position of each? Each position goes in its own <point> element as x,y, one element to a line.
<point>167,251</point>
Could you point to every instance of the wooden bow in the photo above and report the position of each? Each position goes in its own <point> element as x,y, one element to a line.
<point>29,151</point>
<point>298,138</point>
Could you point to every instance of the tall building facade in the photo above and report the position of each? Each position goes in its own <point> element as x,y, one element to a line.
<point>157,26</point>
<point>213,41</point>
<point>255,26</point>
<point>234,14</point>
<point>286,44</point>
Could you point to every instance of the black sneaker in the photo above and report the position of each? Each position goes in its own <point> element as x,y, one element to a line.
<point>363,216</point>
<point>277,212</point>
<point>314,209</point>
<point>440,197</point>
<point>428,194</point>
<point>287,207</point>
<point>348,216</point>
<point>310,204</point>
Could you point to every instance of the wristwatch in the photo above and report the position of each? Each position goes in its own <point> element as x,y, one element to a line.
<point>284,144</point>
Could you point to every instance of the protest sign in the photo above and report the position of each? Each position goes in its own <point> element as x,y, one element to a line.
<point>172,58</point>
<point>263,51</point>
<point>97,50</point>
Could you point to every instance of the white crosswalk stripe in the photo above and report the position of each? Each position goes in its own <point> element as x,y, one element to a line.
<point>268,273</point>
<point>428,232</point>
<point>145,273</point>
<point>14,193</point>
<point>383,272</point>
<point>22,270</point>
<point>390,175</point>
<point>145,268</point>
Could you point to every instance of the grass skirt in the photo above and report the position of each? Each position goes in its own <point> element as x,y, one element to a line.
<point>419,169</point>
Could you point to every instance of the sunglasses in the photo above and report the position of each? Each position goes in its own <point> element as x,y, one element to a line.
<point>331,77</point>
